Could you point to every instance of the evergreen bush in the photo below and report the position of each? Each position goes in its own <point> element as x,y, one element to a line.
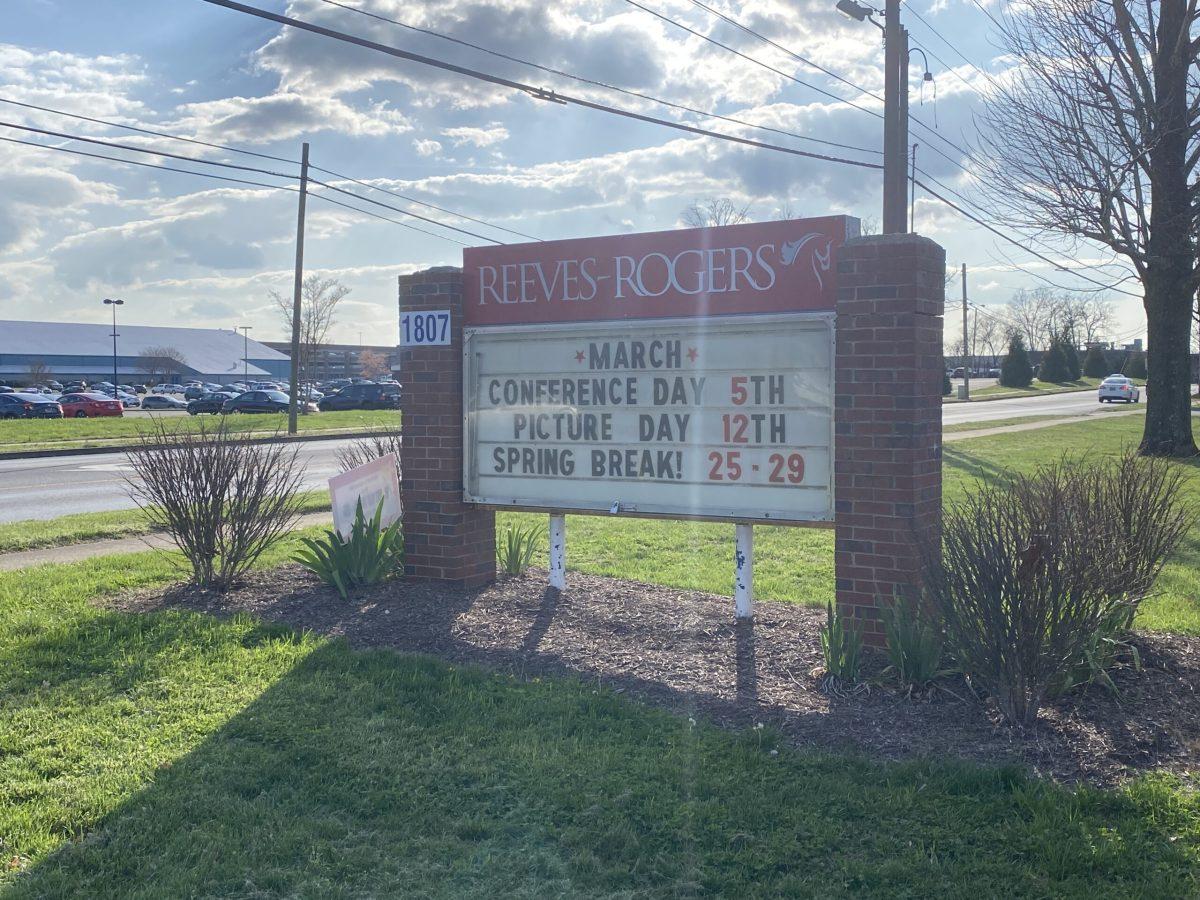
<point>1054,364</point>
<point>1016,371</point>
<point>1095,364</point>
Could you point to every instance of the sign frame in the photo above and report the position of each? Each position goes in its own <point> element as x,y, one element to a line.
<point>470,384</point>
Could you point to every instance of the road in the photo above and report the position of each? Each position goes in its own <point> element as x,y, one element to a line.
<point>1072,404</point>
<point>49,487</point>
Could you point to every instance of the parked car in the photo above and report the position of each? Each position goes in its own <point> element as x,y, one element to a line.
<point>165,388</point>
<point>1118,387</point>
<point>193,391</point>
<point>211,402</point>
<point>234,389</point>
<point>128,400</point>
<point>363,396</point>
<point>87,405</point>
<point>264,402</point>
<point>19,405</point>
<point>162,401</point>
<point>6,389</point>
<point>55,385</point>
<point>265,386</point>
<point>75,387</point>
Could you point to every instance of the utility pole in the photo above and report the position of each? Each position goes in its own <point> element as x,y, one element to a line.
<point>966,345</point>
<point>245,330</point>
<point>895,121</point>
<point>114,304</point>
<point>297,286</point>
<point>912,205</point>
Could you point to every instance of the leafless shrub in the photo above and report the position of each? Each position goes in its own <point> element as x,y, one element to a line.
<point>370,448</point>
<point>1034,567</point>
<point>224,501</point>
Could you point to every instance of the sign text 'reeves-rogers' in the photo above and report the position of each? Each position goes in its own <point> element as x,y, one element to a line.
<point>689,272</point>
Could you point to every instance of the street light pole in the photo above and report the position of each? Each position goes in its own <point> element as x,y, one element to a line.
<point>114,304</point>
<point>245,330</point>
<point>895,121</point>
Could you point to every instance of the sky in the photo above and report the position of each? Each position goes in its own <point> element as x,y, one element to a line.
<point>186,250</point>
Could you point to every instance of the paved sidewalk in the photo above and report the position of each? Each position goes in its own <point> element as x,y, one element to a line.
<point>69,553</point>
<point>1032,426</point>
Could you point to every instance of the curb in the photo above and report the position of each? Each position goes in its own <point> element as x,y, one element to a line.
<point>1018,396</point>
<point>125,448</point>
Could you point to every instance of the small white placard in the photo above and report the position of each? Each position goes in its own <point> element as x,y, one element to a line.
<point>426,328</point>
<point>369,483</point>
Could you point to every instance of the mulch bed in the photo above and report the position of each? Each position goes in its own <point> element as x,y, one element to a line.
<point>682,650</point>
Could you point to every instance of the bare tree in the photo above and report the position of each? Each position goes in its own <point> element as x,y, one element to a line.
<point>372,364</point>
<point>1094,136</point>
<point>38,371</point>
<point>319,299</point>
<point>990,336</point>
<point>715,211</point>
<point>1036,313</point>
<point>1088,318</point>
<point>159,362</point>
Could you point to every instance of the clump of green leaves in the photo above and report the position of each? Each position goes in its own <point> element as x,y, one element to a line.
<point>371,554</point>
<point>516,545</point>
<point>842,646</point>
<point>914,645</point>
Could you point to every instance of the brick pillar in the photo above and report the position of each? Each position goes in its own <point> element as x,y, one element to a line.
<point>444,538</point>
<point>887,418</point>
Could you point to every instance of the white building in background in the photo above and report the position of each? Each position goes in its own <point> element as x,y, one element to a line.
<point>78,350</point>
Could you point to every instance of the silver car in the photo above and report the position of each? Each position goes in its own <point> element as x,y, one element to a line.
<point>1118,387</point>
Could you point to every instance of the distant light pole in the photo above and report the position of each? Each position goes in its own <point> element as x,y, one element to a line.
<point>245,329</point>
<point>114,304</point>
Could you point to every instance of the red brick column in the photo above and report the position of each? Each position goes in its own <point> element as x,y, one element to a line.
<point>887,418</point>
<point>444,538</point>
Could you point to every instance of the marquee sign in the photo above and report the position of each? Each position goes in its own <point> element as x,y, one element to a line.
<point>683,374</point>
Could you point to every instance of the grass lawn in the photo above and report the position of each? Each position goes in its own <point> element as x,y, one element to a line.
<point>33,533</point>
<point>171,754</point>
<point>33,434</point>
<point>796,564</point>
<point>1039,388</point>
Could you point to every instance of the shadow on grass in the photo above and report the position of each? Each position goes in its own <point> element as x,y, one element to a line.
<point>377,774</point>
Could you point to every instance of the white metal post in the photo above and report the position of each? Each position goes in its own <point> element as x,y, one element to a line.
<point>558,552</point>
<point>743,572</point>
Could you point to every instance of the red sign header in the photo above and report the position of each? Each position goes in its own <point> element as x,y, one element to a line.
<point>758,267</point>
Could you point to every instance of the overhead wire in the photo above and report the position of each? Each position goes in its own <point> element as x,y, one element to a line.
<point>670,104</point>
<point>161,134</point>
<point>534,91</point>
<point>406,212</point>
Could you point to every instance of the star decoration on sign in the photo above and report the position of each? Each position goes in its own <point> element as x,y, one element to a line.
<point>579,356</point>
<point>692,354</point>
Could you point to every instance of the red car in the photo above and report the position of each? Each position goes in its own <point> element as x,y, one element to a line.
<point>82,406</point>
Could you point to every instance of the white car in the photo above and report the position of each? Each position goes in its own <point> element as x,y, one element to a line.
<point>1118,387</point>
<point>166,389</point>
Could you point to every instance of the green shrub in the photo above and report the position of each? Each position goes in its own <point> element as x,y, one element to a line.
<point>1037,576</point>
<point>1135,365</point>
<point>1016,371</point>
<point>370,555</point>
<point>1054,364</point>
<point>516,545</point>
<point>1095,364</point>
<point>914,645</point>
<point>841,646</point>
<point>1071,354</point>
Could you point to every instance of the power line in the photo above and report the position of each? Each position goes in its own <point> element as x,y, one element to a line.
<point>414,215</point>
<point>808,62</point>
<point>146,165</point>
<point>226,178</point>
<point>757,62</point>
<point>983,9</point>
<point>384,190</point>
<point>536,92</point>
<point>600,84</point>
<point>953,50</point>
<point>375,215</point>
<point>131,148</point>
<point>152,152</point>
<point>1013,241</point>
<point>933,132</point>
<point>161,134</point>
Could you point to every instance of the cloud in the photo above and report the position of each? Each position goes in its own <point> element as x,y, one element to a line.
<point>427,147</point>
<point>284,115</point>
<point>478,137</point>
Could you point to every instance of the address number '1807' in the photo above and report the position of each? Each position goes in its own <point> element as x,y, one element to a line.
<point>425,329</point>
